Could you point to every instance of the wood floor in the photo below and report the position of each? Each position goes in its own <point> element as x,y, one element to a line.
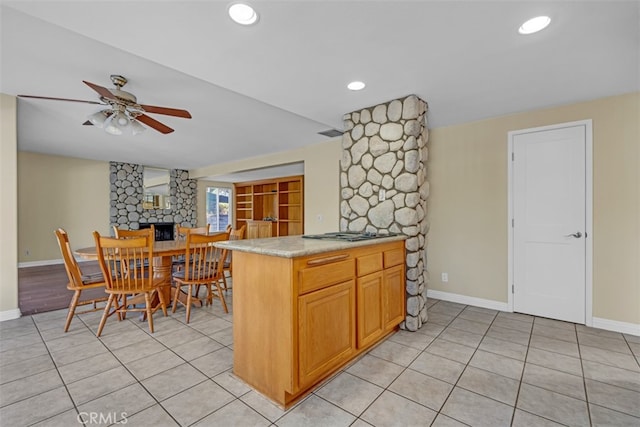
<point>44,288</point>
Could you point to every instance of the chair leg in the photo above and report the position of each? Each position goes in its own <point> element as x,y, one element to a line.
<point>224,280</point>
<point>221,296</point>
<point>147,302</point>
<point>163,303</point>
<point>175,298</point>
<point>189,293</point>
<point>72,308</point>
<point>123,314</point>
<point>117,304</point>
<point>105,314</point>
<point>209,294</point>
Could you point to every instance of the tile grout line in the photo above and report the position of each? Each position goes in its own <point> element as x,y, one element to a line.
<point>48,342</point>
<point>158,402</point>
<point>207,377</point>
<point>64,383</point>
<point>466,366</point>
<point>584,378</point>
<point>132,375</point>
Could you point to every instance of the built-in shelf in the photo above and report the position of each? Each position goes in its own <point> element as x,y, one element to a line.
<point>279,201</point>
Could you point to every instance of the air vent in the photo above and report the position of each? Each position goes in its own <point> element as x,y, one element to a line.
<point>331,133</point>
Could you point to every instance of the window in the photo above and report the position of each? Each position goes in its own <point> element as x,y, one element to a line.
<point>218,208</point>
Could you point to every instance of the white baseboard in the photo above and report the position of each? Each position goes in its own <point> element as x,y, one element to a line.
<point>616,326</point>
<point>609,325</point>
<point>49,262</point>
<point>463,299</point>
<point>40,263</point>
<point>10,314</point>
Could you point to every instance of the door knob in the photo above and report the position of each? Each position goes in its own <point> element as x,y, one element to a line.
<point>577,235</point>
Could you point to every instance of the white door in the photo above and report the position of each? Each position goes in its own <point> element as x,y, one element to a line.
<point>549,222</point>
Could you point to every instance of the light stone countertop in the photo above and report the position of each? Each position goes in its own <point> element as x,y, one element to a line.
<point>296,246</point>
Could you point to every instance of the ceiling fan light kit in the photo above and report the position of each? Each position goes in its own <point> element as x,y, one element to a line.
<point>117,124</point>
<point>123,113</point>
<point>99,117</point>
<point>136,127</point>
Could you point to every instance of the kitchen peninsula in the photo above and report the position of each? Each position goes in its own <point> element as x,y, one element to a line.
<point>303,308</point>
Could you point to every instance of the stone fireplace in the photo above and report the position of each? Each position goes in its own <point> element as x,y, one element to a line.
<point>384,187</point>
<point>163,230</point>
<point>127,194</point>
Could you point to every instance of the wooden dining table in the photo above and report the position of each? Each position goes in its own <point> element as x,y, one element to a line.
<point>163,252</point>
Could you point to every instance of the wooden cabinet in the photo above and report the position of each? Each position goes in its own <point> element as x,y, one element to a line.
<point>279,201</point>
<point>327,326</point>
<point>381,293</point>
<point>370,307</point>
<point>259,229</point>
<point>310,315</point>
<point>394,298</point>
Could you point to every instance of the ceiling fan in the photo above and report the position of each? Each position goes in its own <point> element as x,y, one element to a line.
<point>123,113</point>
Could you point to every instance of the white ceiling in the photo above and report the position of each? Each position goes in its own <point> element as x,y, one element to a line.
<point>271,87</point>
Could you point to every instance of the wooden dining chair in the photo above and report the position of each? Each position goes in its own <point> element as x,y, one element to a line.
<point>78,281</point>
<point>178,260</point>
<point>127,266</point>
<point>183,231</point>
<point>237,234</point>
<point>203,266</point>
<point>121,233</point>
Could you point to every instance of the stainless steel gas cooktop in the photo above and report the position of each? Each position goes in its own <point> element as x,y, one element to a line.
<point>348,236</point>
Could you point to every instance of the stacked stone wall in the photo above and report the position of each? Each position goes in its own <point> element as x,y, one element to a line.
<point>127,193</point>
<point>384,185</point>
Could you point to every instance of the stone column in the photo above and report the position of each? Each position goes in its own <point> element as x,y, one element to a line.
<point>384,185</point>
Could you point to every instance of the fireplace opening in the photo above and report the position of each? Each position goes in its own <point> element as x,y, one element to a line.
<point>163,230</point>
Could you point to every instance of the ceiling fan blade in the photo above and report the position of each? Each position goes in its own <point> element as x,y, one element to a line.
<point>154,124</point>
<point>60,99</point>
<point>166,111</point>
<point>103,91</point>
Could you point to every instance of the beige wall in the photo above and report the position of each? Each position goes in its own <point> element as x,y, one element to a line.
<point>467,172</point>
<point>57,192</point>
<point>72,193</point>
<point>467,212</point>
<point>8,210</point>
<point>321,180</point>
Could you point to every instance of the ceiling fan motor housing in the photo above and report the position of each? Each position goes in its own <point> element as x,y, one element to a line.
<point>125,97</point>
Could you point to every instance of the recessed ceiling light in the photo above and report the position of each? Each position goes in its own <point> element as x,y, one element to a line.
<point>243,14</point>
<point>356,86</point>
<point>534,25</point>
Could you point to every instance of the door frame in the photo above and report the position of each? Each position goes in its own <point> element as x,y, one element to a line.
<point>588,125</point>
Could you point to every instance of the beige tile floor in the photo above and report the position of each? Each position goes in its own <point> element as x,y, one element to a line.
<point>466,366</point>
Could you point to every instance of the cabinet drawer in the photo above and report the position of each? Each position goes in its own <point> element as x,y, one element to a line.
<point>330,273</point>
<point>368,264</point>
<point>393,257</point>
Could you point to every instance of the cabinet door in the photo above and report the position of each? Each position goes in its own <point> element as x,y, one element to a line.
<point>258,229</point>
<point>394,296</point>
<point>326,330</point>
<point>370,308</point>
